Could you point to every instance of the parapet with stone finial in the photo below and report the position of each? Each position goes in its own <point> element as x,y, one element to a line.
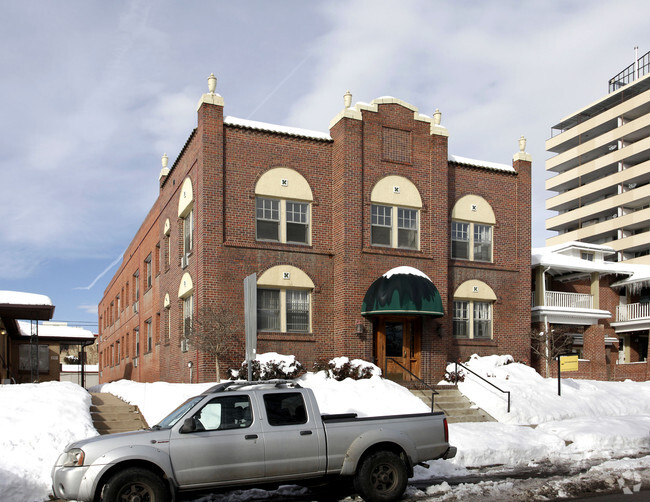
<point>211,97</point>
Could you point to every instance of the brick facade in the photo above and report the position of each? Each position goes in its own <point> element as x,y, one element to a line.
<point>226,159</point>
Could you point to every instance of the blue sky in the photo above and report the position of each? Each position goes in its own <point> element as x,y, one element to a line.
<point>93,93</point>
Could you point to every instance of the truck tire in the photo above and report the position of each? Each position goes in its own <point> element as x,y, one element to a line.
<point>135,484</point>
<point>382,477</point>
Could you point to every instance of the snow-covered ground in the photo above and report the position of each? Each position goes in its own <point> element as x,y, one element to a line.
<point>601,427</point>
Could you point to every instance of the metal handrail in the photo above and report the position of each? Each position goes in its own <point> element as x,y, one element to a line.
<point>433,391</point>
<point>486,381</point>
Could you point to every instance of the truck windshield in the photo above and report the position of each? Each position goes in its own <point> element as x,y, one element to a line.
<point>178,413</point>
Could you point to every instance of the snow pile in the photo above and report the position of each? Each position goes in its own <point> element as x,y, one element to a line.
<point>591,420</point>
<point>535,400</point>
<point>37,421</point>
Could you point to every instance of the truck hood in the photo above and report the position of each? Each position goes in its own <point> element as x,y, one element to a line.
<point>111,441</point>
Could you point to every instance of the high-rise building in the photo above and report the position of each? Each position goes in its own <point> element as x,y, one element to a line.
<point>602,169</point>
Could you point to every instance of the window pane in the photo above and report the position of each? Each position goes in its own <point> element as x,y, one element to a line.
<point>188,307</point>
<point>188,230</point>
<point>287,408</point>
<point>381,225</point>
<point>297,311</point>
<point>482,242</point>
<point>297,222</point>
<point>461,320</point>
<point>482,320</point>
<point>407,228</point>
<point>268,219</point>
<point>460,240</point>
<point>268,310</point>
<point>394,339</point>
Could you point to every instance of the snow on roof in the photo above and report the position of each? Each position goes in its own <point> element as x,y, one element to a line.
<point>481,163</point>
<point>56,331</point>
<point>606,250</point>
<point>544,257</point>
<point>641,275</point>
<point>405,270</point>
<point>263,126</point>
<point>20,298</point>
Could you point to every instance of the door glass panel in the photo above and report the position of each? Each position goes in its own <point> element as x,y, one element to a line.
<point>394,339</point>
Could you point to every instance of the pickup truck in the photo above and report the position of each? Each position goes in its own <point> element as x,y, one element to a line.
<point>251,434</point>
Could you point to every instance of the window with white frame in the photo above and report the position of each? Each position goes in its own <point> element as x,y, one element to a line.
<point>188,315</point>
<point>148,269</point>
<point>283,200</point>
<point>472,227</point>
<point>136,332</point>
<point>283,310</point>
<point>395,214</point>
<point>472,319</point>
<point>384,231</point>
<point>188,233</point>
<point>282,220</point>
<point>148,325</point>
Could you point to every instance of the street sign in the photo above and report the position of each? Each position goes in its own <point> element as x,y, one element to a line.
<point>569,363</point>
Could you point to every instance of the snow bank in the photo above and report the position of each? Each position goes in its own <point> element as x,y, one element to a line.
<point>534,399</point>
<point>37,421</point>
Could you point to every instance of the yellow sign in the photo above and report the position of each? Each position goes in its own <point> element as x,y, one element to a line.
<point>568,363</point>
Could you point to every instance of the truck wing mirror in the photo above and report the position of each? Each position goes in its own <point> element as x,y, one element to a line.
<point>188,426</point>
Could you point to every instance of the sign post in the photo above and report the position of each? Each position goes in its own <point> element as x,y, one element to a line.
<point>565,362</point>
<point>250,320</point>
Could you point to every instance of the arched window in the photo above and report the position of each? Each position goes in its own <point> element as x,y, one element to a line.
<point>186,295</point>
<point>395,213</point>
<point>186,214</point>
<point>472,223</point>
<point>283,207</point>
<point>472,314</point>
<point>284,300</point>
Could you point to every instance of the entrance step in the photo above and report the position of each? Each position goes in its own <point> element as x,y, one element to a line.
<point>454,404</point>
<point>110,414</point>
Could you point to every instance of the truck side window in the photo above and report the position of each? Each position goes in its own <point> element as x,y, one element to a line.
<point>226,412</point>
<point>286,408</point>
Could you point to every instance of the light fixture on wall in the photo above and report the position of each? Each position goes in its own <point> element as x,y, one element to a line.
<point>359,328</point>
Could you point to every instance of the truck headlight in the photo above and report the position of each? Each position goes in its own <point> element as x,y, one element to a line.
<point>73,458</point>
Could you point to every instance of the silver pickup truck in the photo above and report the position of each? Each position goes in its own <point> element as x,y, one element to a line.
<point>250,434</point>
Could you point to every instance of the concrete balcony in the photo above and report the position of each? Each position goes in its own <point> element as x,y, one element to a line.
<point>568,308</point>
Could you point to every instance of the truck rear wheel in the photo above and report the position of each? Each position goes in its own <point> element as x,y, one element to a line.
<point>382,477</point>
<point>135,485</point>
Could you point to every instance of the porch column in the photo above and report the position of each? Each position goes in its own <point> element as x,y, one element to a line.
<point>595,289</point>
<point>540,301</point>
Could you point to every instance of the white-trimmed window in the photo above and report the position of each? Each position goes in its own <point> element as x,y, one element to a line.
<point>472,229</point>
<point>188,316</point>
<point>472,310</point>
<point>282,220</point>
<point>394,214</point>
<point>149,328</point>
<point>188,233</point>
<point>283,207</point>
<point>148,269</point>
<point>136,332</point>
<point>285,310</point>
<point>284,296</point>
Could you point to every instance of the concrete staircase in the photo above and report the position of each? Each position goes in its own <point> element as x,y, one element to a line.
<point>454,404</point>
<point>110,414</point>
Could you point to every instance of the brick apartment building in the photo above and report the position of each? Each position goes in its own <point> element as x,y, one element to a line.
<point>320,218</point>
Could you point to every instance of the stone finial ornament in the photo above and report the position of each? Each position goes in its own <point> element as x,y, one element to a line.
<point>522,144</point>
<point>212,83</point>
<point>164,161</point>
<point>437,117</point>
<point>347,99</point>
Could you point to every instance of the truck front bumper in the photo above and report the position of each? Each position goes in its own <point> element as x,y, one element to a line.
<point>67,483</point>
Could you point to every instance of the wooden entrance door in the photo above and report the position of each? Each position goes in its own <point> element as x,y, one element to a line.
<point>398,347</point>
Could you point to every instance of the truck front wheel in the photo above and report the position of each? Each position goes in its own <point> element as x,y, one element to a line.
<point>382,477</point>
<point>135,485</point>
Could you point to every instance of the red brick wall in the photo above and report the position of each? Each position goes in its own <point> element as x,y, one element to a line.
<point>224,164</point>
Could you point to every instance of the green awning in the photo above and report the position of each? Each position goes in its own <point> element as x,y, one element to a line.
<point>402,291</point>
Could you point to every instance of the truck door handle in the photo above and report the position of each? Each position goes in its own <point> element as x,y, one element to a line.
<point>305,433</point>
<point>250,436</point>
